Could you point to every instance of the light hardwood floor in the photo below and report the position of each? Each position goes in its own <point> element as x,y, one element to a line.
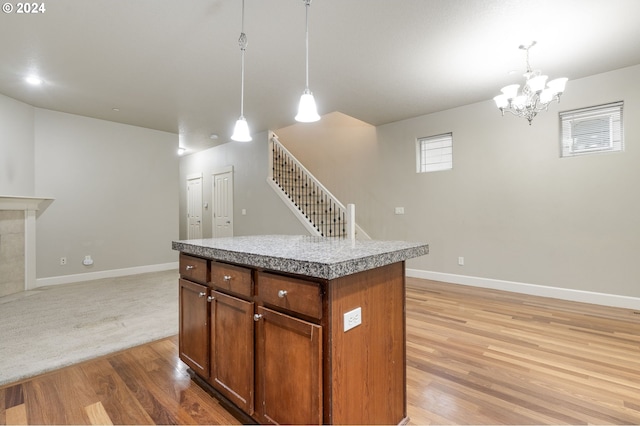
<point>474,356</point>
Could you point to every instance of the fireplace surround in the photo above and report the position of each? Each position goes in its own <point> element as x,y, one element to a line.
<point>18,242</point>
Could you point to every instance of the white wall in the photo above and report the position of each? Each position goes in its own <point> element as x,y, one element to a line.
<point>116,196</point>
<point>265,212</point>
<point>16,148</point>
<point>514,209</point>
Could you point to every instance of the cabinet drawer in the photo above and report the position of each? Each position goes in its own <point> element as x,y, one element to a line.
<point>235,279</point>
<point>194,268</point>
<point>292,294</point>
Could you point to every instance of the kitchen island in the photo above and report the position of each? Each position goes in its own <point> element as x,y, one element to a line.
<point>298,329</point>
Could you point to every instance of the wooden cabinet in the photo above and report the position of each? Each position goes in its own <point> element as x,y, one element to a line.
<point>300,297</point>
<point>232,349</point>
<point>288,350</point>
<point>194,327</point>
<point>275,344</point>
<point>288,369</point>
<point>194,268</point>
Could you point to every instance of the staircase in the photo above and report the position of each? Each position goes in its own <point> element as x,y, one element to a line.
<point>318,210</point>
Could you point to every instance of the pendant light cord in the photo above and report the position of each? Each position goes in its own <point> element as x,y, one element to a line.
<point>242,41</point>
<point>307,4</point>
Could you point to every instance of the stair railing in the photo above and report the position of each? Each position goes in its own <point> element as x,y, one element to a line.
<point>320,212</point>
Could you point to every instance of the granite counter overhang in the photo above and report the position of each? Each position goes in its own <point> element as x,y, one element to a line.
<point>319,257</point>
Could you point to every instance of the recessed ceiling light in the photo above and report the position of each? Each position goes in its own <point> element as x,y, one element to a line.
<point>115,109</point>
<point>213,136</point>
<point>33,80</point>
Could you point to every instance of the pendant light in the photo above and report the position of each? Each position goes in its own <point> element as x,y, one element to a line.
<point>241,130</point>
<point>307,111</point>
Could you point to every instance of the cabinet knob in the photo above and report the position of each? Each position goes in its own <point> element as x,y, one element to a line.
<point>282,293</point>
<point>202,294</point>
<point>210,299</point>
<point>227,278</point>
<point>256,317</point>
<point>189,267</point>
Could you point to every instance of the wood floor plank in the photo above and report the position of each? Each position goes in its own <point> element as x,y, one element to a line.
<point>155,394</point>
<point>41,392</point>
<point>3,419</point>
<point>75,393</point>
<point>17,415</point>
<point>13,396</point>
<point>97,414</point>
<point>120,404</point>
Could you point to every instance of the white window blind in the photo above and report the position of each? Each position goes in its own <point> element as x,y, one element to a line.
<point>592,130</point>
<point>435,153</point>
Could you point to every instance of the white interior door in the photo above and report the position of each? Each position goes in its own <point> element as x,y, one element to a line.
<point>194,206</point>
<point>222,197</point>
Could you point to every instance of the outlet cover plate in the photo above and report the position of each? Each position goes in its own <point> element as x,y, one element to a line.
<point>352,319</point>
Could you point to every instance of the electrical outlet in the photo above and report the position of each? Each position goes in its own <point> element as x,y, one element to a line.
<point>63,261</point>
<point>399,210</point>
<point>461,261</point>
<point>352,319</point>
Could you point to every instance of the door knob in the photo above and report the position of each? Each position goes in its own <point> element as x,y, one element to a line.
<point>202,294</point>
<point>257,317</point>
<point>282,293</point>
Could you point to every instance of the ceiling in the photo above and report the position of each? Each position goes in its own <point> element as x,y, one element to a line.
<point>174,65</point>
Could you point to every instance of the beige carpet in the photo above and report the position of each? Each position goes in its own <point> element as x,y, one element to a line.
<point>52,327</point>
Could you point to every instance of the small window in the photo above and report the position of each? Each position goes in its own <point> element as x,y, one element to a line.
<point>592,130</point>
<point>435,153</point>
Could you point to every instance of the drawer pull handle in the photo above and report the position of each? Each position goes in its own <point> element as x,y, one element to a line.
<point>282,293</point>
<point>202,294</point>
<point>227,278</point>
<point>256,317</point>
<point>210,299</point>
<point>190,267</point>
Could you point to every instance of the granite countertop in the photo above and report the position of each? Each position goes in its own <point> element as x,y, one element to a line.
<point>319,257</point>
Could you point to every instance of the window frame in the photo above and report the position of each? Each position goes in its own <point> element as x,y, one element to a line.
<point>612,111</point>
<point>424,167</point>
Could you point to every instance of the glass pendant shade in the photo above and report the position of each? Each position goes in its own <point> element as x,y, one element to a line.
<point>501,101</point>
<point>510,91</point>
<point>536,84</point>
<point>307,111</point>
<point>241,131</point>
<point>557,85</point>
<point>546,96</point>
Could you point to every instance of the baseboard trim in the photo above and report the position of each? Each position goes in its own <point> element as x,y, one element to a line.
<point>605,299</point>
<point>111,273</point>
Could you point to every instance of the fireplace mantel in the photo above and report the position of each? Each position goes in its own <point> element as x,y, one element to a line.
<point>8,202</point>
<point>14,236</point>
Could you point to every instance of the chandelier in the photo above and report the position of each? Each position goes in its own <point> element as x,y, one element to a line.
<point>534,96</point>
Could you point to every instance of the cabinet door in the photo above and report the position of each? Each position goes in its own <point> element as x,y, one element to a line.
<point>232,349</point>
<point>288,368</point>
<point>194,327</point>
